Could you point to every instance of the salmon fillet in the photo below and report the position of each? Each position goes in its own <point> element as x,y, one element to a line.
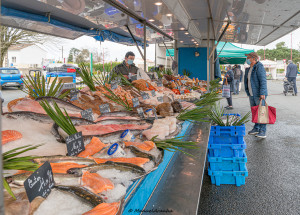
<point>105,209</point>
<point>136,160</point>
<point>96,183</point>
<point>64,166</point>
<point>98,129</point>
<point>146,146</point>
<point>10,135</point>
<point>92,148</point>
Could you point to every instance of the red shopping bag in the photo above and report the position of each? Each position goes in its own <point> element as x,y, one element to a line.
<point>263,114</point>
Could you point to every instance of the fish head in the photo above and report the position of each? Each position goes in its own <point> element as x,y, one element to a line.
<point>75,171</point>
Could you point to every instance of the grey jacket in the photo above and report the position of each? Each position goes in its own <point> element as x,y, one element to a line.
<point>291,71</point>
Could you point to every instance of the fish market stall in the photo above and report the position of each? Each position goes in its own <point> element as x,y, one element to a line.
<point>110,150</point>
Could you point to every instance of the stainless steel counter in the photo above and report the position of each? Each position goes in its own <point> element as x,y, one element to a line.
<point>178,190</point>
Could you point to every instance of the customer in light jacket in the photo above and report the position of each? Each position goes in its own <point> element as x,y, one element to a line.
<point>256,88</point>
<point>291,74</point>
<point>229,76</point>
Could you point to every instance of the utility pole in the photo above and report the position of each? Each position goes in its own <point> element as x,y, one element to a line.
<point>264,53</point>
<point>62,53</point>
<point>291,46</point>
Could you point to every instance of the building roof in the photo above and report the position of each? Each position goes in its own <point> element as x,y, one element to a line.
<point>19,46</point>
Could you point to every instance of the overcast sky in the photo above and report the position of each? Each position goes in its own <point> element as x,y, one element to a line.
<point>118,51</point>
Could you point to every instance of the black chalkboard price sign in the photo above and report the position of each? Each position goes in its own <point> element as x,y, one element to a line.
<point>40,182</point>
<point>74,94</point>
<point>75,144</point>
<point>160,99</point>
<point>87,114</point>
<point>114,85</point>
<point>104,108</point>
<point>141,112</point>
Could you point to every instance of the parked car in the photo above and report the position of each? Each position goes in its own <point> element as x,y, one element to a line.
<point>11,77</point>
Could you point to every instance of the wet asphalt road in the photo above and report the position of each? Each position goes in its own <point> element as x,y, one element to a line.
<point>273,184</point>
<point>11,93</point>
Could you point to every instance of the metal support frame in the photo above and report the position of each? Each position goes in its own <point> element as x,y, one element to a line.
<point>220,52</point>
<point>207,60</point>
<point>211,19</point>
<point>132,14</point>
<point>141,53</point>
<point>145,47</point>
<point>168,50</point>
<point>281,25</point>
<point>220,37</point>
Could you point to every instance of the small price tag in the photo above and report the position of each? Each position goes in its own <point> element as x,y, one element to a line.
<point>40,182</point>
<point>117,80</point>
<point>114,85</point>
<point>75,144</point>
<point>159,83</point>
<point>74,94</point>
<point>145,95</point>
<point>135,102</point>
<point>179,88</point>
<point>68,86</point>
<point>181,92</point>
<point>104,108</point>
<point>153,93</point>
<point>155,113</point>
<point>141,112</point>
<point>160,99</point>
<point>183,81</point>
<point>87,114</point>
<point>147,85</point>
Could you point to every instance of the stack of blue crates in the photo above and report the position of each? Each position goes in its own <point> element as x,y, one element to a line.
<point>226,155</point>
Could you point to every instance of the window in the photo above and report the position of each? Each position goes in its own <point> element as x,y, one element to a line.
<point>13,59</point>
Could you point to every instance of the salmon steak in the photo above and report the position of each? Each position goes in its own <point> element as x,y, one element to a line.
<point>136,160</point>
<point>92,148</point>
<point>98,129</point>
<point>10,135</point>
<point>105,209</point>
<point>64,166</point>
<point>146,146</point>
<point>96,183</point>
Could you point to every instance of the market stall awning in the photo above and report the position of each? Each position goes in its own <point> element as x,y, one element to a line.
<point>231,54</point>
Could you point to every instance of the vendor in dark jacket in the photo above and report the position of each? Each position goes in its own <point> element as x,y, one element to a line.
<point>256,88</point>
<point>230,77</point>
<point>127,67</point>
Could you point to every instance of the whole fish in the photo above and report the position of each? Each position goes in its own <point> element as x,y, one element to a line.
<point>28,115</point>
<point>59,178</point>
<point>82,193</point>
<point>120,113</point>
<point>62,158</point>
<point>156,159</point>
<point>120,122</point>
<point>61,103</point>
<point>123,167</point>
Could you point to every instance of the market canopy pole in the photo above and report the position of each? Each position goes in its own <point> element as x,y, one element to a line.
<point>207,60</point>
<point>145,47</point>
<point>137,46</point>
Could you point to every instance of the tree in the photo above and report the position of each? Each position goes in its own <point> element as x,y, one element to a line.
<point>83,56</point>
<point>279,53</point>
<point>73,54</point>
<point>13,36</point>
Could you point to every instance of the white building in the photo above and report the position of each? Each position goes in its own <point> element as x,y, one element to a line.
<point>26,56</point>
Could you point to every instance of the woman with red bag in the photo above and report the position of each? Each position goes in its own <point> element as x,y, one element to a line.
<point>256,88</point>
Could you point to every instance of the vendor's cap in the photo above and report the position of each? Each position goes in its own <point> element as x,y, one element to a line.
<point>252,55</point>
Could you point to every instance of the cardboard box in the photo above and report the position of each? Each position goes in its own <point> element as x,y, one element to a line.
<point>63,79</point>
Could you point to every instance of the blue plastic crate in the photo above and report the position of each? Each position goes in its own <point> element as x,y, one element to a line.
<point>226,150</point>
<point>227,134</point>
<point>228,164</point>
<point>228,177</point>
<point>61,74</point>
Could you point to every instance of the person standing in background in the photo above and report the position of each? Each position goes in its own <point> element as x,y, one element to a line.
<point>229,76</point>
<point>237,72</point>
<point>255,81</point>
<point>291,75</point>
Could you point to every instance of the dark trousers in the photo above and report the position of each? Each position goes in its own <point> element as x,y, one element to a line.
<point>254,101</point>
<point>294,83</point>
<point>229,100</point>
